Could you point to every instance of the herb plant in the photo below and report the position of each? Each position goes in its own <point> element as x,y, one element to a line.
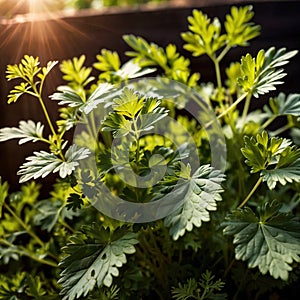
<point>233,233</point>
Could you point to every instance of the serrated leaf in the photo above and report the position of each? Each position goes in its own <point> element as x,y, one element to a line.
<point>269,241</point>
<point>48,213</point>
<point>282,105</point>
<point>129,103</point>
<point>131,70</point>
<point>93,258</point>
<point>67,96</point>
<point>43,163</point>
<point>287,169</point>
<point>107,61</point>
<point>75,72</point>
<point>27,69</point>
<point>205,36</point>
<point>238,28</point>
<point>98,96</point>
<point>203,192</point>
<point>28,131</point>
<point>149,54</point>
<point>274,158</point>
<point>17,92</point>
<point>261,151</point>
<point>260,75</point>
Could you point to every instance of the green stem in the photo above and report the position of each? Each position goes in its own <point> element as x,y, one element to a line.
<point>63,223</point>
<point>251,192</point>
<point>223,53</point>
<point>281,130</point>
<point>30,255</point>
<point>46,114</point>
<point>32,234</point>
<point>230,108</point>
<point>218,72</point>
<point>268,122</point>
<point>246,108</point>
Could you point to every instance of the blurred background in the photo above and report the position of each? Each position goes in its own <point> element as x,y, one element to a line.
<point>11,8</point>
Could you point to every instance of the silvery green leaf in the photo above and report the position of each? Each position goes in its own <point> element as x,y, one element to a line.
<point>28,131</point>
<point>43,163</point>
<point>204,188</point>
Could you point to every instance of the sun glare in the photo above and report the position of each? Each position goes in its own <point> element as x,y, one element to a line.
<point>37,6</point>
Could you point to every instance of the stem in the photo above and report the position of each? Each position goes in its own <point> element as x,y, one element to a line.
<point>218,72</point>
<point>268,122</point>
<point>281,130</point>
<point>223,53</point>
<point>246,109</point>
<point>30,255</point>
<point>32,234</point>
<point>46,114</point>
<point>231,107</point>
<point>251,192</point>
<point>63,223</point>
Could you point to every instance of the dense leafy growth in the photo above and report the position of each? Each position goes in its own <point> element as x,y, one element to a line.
<point>147,149</point>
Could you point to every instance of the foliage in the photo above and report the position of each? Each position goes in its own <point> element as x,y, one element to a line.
<point>204,289</point>
<point>64,246</point>
<point>270,241</point>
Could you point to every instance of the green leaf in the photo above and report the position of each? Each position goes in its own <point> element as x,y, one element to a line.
<point>27,69</point>
<point>49,212</point>
<point>31,74</point>
<point>92,259</point>
<point>98,96</point>
<point>205,36</point>
<point>203,192</point>
<point>186,290</point>
<point>129,103</point>
<point>287,169</point>
<point>261,151</point>
<point>260,75</point>
<point>274,158</point>
<point>146,54</point>
<point>107,61</point>
<point>28,131</point>
<point>18,91</point>
<point>233,72</point>
<point>204,289</point>
<point>74,202</point>
<point>75,72</point>
<point>34,288</point>
<point>282,105</point>
<point>269,241</point>
<point>44,163</point>
<point>67,96</point>
<point>238,28</point>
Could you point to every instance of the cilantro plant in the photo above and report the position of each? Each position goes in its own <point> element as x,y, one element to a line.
<point>233,233</point>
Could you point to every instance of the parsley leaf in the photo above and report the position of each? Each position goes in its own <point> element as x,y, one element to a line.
<point>203,191</point>
<point>259,75</point>
<point>269,241</point>
<point>274,158</point>
<point>93,257</point>
<point>28,131</point>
